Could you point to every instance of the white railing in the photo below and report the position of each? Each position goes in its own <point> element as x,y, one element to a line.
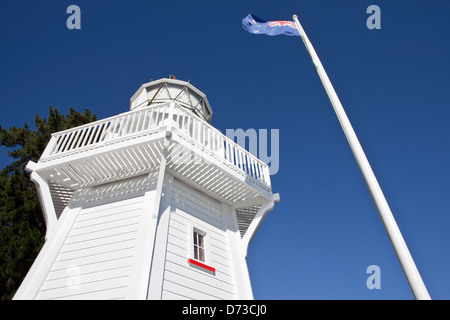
<point>151,119</point>
<point>92,134</point>
<point>214,141</point>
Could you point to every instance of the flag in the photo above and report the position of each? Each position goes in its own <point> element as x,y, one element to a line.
<point>272,28</point>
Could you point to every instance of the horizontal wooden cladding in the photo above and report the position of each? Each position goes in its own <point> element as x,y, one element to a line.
<point>179,201</point>
<point>179,244</point>
<point>99,254</point>
<point>180,278</point>
<point>183,280</point>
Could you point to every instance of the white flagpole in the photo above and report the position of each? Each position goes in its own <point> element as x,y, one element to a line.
<point>409,268</point>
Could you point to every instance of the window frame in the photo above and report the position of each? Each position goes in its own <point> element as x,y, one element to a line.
<point>193,261</point>
<point>195,246</point>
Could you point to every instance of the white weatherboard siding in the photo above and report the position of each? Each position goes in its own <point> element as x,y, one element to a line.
<point>190,208</point>
<point>100,257</point>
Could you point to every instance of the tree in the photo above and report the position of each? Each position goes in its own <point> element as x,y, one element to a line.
<point>22,227</point>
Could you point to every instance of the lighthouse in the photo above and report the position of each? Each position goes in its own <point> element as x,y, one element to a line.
<point>154,203</point>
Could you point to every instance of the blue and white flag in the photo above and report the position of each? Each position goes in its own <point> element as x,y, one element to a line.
<point>272,28</point>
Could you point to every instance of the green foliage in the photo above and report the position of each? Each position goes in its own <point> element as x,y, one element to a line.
<point>22,227</point>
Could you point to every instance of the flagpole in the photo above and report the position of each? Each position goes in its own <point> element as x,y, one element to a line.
<point>409,268</point>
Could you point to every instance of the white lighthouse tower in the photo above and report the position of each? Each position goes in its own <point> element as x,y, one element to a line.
<point>154,203</point>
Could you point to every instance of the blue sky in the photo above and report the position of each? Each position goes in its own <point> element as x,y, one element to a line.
<point>319,240</point>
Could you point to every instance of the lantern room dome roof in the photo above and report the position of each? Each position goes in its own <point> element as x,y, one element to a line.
<point>170,89</point>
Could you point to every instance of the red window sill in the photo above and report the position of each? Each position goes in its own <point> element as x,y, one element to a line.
<point>201,265</point>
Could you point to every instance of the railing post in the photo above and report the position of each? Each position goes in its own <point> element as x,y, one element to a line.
<point>267,176</point>
<point>50,147</point>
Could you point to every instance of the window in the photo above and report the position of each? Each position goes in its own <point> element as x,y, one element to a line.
<point>199,245</point>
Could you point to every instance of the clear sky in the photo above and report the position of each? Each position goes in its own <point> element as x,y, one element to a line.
<point>393,82</point>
